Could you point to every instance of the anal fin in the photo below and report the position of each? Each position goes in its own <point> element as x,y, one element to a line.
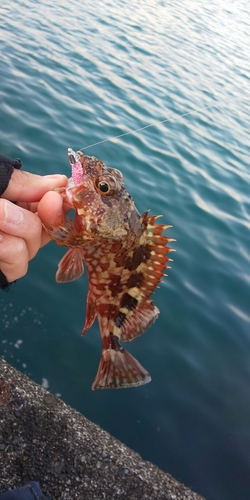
<point>139,321</point>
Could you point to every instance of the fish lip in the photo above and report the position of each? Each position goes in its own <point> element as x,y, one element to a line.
<point>71,189</point>
<point>71,184</point>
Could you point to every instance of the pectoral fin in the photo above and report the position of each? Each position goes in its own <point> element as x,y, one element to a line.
<point>70,267</point>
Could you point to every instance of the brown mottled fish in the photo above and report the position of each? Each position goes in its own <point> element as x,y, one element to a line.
<point>125,255</point>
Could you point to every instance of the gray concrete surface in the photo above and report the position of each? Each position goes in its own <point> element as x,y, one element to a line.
<point>43,439</point>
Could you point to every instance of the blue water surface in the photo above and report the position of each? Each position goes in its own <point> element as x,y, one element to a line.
<point>74,73</point>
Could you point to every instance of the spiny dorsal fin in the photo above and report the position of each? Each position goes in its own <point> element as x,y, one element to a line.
<point>137,311</point>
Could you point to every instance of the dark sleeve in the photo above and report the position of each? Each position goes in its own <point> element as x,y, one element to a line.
<point>6,169</point>
<point>7,166</point>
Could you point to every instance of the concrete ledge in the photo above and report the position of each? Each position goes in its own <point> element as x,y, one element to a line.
<point>43,439</point>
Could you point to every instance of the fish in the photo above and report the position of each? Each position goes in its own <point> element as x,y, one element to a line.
<point>125,255</point>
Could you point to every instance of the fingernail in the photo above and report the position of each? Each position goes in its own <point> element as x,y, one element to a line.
<point>13,214</point>
<point>54,176</point>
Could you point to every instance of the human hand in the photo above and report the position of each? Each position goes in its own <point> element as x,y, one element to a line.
<point>21,232</point>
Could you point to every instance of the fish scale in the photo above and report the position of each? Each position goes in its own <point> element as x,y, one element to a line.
<point>125,255</point>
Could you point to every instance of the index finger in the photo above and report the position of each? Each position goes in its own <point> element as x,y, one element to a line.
<point>24,186</point>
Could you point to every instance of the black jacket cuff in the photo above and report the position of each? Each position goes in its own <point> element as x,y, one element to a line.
<point>7,166</point>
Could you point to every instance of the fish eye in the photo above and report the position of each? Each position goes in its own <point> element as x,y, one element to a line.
<point>103,186</point>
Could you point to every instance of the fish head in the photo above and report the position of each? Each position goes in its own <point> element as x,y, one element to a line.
<point>103,206</point>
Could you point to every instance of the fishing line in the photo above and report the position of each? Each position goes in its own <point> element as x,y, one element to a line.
<point>147,126</point>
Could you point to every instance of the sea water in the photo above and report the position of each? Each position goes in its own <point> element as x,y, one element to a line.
<point>73,74</point>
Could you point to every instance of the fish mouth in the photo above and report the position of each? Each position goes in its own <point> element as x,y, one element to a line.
<point>71,190</point>
<point>68,191</point>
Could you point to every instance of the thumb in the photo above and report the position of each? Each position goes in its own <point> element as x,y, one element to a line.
<point>24,186</point>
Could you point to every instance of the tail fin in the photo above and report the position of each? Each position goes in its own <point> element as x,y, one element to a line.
<point>118,369</point>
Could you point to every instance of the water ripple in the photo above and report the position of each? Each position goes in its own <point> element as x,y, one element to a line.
<point>74,74</point>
